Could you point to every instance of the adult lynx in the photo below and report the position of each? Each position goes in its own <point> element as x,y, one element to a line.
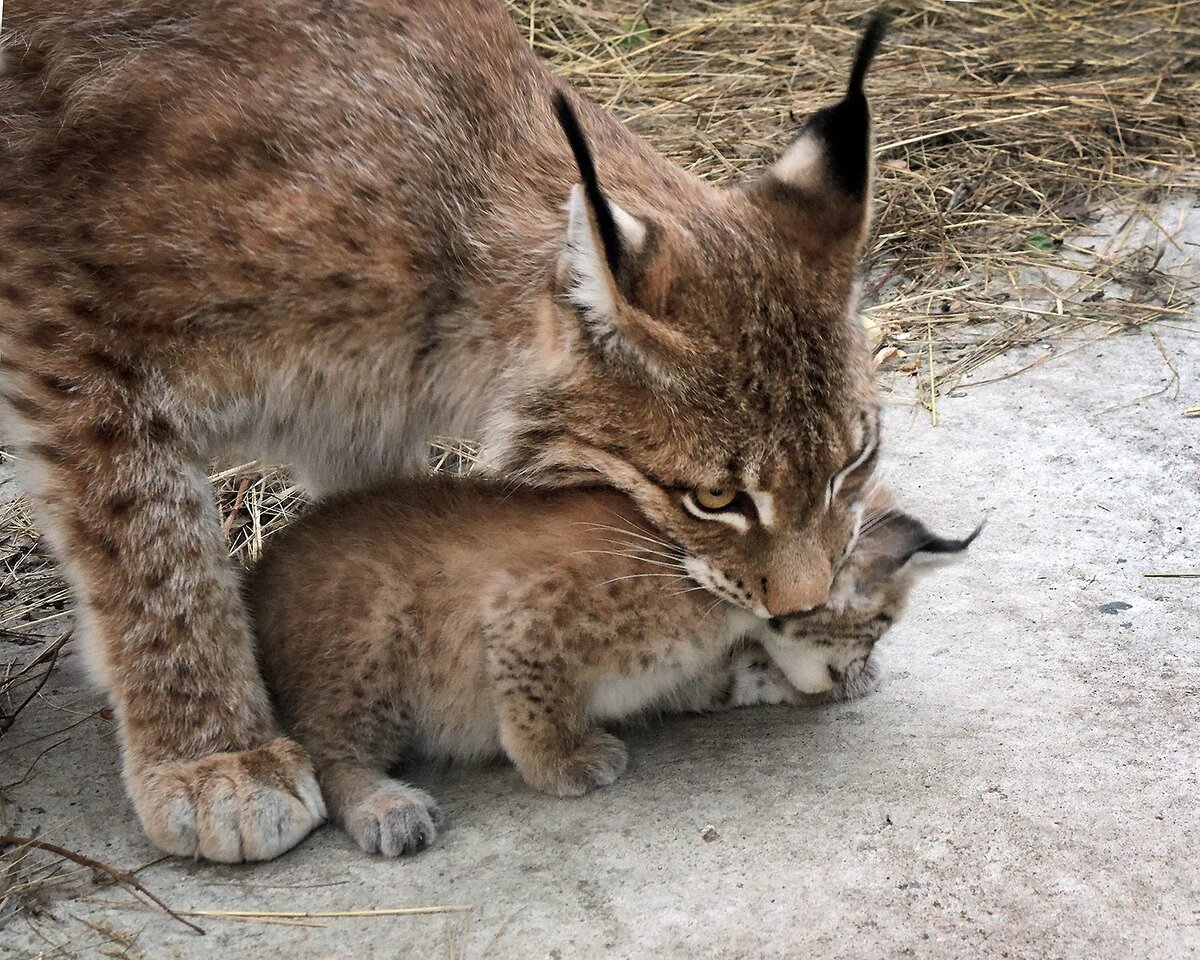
<point>324,232</point>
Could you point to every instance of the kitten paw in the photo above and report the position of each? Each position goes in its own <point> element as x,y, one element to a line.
<point>229,807</point>
<point>597,762</point>
<point>394,820</point>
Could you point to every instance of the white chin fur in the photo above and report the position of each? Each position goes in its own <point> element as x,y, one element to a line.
<point>805,666</point>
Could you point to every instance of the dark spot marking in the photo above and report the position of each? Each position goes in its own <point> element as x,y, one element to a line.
<point>97,538</point>
<point>13,294</point>
<point>367,195</point>
<point>159,429</point>
<point>45,333</point>
<point>113,366</point>
<point>104,274</point>
<point>84,310</point>
<point>106,432</point>
<point>50,453</point>
<point>118,508</point>
<point>57,383</point>
<point>23,405</point>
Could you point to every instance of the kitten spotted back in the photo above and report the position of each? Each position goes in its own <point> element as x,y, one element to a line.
<point>457,619</point>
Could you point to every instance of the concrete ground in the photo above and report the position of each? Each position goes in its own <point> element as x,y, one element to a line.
<point>1024,783</point>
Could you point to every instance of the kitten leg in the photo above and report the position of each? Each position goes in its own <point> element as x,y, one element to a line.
<point>382,815</point>
<point>543,729</point>
<point>126,503</point>
<point>355,727</point>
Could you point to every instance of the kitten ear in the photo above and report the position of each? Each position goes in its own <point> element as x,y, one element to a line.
<point>892,542</point>
<point>609,271</point>
<point>819,189</point>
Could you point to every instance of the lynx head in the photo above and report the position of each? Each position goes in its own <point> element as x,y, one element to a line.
<point>716,370</point>
<point>828,650</point>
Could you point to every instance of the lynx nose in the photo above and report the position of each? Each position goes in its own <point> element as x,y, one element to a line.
<point>787,596</point>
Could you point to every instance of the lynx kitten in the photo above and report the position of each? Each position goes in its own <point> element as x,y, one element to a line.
<point>459,620</point>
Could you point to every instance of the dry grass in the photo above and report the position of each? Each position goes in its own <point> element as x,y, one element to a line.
<point>1004,130</point>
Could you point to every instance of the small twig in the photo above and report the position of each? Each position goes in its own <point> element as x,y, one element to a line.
<point>324,914</point>
<point>51,653</point>
<point>237,505</point>
<point>5,787</point>
<point>120,876</point>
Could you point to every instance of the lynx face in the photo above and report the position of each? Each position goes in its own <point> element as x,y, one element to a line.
<point>712,367</point>
<point>829,649</point>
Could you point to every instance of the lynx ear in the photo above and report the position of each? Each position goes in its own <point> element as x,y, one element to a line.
<point>608,271</point>
<point>896,539</point>
<point>595,255</point>
<point>819,188</point>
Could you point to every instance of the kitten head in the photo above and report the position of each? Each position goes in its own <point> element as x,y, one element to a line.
<point>713,366</point>
<point>829,650</point>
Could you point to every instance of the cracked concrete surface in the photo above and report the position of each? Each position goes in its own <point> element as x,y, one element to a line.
<point>1023,784</point>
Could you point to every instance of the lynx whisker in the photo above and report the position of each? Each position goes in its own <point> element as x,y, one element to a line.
<point>874,519</point>
<point>629,533</point>
<point>676,555</point>
<point>678,593</point>
<point>711,607</point>
<point>636,576</point>
<point>628,556</point>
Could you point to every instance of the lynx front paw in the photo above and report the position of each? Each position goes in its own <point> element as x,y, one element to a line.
<point>393,820</point>
<point>229,807</point>
<point>597,762</point>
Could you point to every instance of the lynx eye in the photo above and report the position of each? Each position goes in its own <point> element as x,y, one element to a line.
<point>714,498</point>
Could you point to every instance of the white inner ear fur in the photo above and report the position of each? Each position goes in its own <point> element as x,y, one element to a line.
<point>592,286</point>
<point>802,164</point>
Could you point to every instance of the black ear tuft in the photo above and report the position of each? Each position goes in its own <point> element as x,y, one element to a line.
<point>868,46</point>
<point>845,127</point>
<point>896,539</point>
<point>610,237</point>
<point>936,544</point>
